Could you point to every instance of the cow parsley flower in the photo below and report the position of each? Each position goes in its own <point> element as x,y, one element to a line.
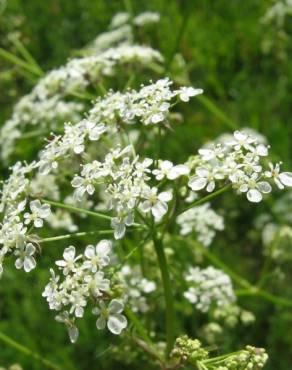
<point>208,287</point>
<point>97,257</point>
<point>168,170</point>
<point>25,258</point>
<point>111,316</point>
<point>68,263</point>
<point>155,202</point>
<point>38,213</point>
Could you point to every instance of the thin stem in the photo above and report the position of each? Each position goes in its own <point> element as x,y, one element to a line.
<point>254,291</point>
<point>168,295</point>
<point>217,262</point>
<point>28,352</point>
<point>137,325</point>
<point>207,198</point>
<point>69,236</point>
<point>84,211</point>
<point>217,112</point>
<point>26,54</point>
<point>249,290</point>
<point>19,62</point>
<point>77,209</point>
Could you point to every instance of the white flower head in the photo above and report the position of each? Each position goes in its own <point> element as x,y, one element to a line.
<point>185,93</point>
<point>68,263</point>
<point>111,316</point>
<point>98,256</point>
<point>281,179</point>
<point>25,258</point>
<point>38,213</point>
<point>156,202</point>
<point>168,170</point>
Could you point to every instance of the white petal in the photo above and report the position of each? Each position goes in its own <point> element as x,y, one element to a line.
<point>77,181</point>
<point>100,323</point>
<point>116,323</point>
<point>89,251</point>
<point>264,187</point>
<point>38,222</point>
<point>69,253</point>
<point>254,196</point>
<point>19,263</point>
<point>73,334</point>
<point>197,183</point>
<point>29,264</point>
<point>30,249</point>
<point>103,247</point>
<point>116,306</point>
<point>165,196</point>
<point>145,206</point>
<point>159,210</point>
<point>286,178</point>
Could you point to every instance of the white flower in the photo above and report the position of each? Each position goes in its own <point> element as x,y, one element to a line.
<point>97,283</point>
<point>281,179</point>
<point>242,140</point>
<point>156,203</point>
<point>82,186</point>
<point>98,256</point>
<point>119,225</point>
<point>111,316</point>
<point>254,188</point>
<point>72,329</point>
<point>185,93</point>
<point>208,287</point>
<point>68,264</point>
<point>167,169</point>
<point>93,130</point>
<point>205,177</point>
<point>25,258</point>
<point>38,213</point>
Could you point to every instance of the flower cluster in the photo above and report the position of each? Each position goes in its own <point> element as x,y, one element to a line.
<point>240,162</point>
<point>201,220</point>
<point>126,187</point>
<point>51,102</point>
<point>136,287</point>
<point>208,288</point>
<point>84,281</point>
<point>251,358</point>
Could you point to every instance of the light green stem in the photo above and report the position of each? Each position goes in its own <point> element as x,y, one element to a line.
<point>137,325</point>
<point>168,295</point>
<point>69,236</point>
<point>19,62</point>
<point>84,211</point>
<point>212,107</point>
<point>249,289</point>
<point>207,198</point>
<point>26,54</point>
<point>28,352</point>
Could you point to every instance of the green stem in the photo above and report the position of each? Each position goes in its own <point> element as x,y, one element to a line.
<point>217,262</point>
<point>168,295</point>
<point>254,291</point>
<point>207,198</point>
<point>26,54</point>
<point>84,211</point>
<point>19,62</point>
<point>69,236</point>
<point>77,209</point>
<point>137,325</point>
<point>249,289</point>
<point>28,352</point>
<point>218,113</point>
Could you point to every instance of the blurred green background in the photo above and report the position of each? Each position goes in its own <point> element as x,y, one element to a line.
<point>244,67</point>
